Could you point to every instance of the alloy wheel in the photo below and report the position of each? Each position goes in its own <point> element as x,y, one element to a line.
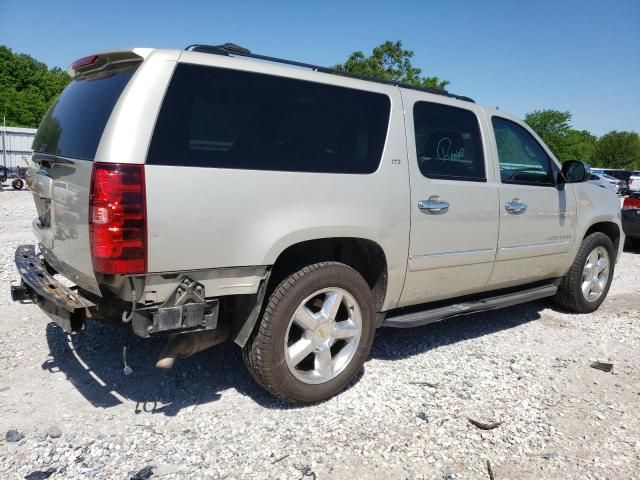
<point>323,335</point>
<point>595,274</point>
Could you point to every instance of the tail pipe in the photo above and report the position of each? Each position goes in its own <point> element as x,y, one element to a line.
<point>182,345</point>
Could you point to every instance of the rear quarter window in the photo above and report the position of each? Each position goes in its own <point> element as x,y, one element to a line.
<point>221,118</point>
<point>73,126</point>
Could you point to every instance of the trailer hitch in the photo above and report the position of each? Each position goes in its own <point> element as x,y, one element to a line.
<point>21,292</point>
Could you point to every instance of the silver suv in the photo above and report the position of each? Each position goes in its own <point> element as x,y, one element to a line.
<point>211,193</point>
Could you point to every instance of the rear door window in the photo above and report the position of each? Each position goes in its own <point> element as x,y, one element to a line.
<point>221,118</point>
<point>448,144</point>
<point>74,124</point>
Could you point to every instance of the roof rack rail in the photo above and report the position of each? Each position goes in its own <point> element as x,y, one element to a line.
<point>231,49</point>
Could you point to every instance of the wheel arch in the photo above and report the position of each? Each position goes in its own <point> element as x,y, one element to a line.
<point>571,294</point>
<point>363,255</point>
<point>610,229</point>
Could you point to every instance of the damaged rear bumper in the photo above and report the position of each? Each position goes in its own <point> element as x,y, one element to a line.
<point>64,306</point>
<point>186,310</point>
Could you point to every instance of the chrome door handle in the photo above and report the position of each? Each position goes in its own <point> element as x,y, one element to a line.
<point>515,206</point>
<point>434,205</point>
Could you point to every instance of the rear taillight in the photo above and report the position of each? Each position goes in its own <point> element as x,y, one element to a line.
<point>117,218</point>
<point>631,203</point>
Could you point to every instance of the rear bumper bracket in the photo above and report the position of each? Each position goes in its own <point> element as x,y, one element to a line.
<point>186,309</point>
<point>64,305</point>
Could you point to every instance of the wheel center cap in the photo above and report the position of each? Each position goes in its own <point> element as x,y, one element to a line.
<point>323,335</point>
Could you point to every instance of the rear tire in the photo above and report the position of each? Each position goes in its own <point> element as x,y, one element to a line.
<point>17,184</point>
<point>585,287</point>
<point>325,309</point>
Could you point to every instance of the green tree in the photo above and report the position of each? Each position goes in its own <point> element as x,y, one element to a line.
<point>27,88</point>
<point>389,61</point>
<point>580,145</point>
<point>618,150</point>
<point>553,127</point>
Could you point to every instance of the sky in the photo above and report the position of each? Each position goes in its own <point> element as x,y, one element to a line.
<point>577,55</point>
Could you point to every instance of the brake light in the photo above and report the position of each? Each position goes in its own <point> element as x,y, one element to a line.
<point>84,61</point>
<point>117,218</point>
<point>631,203</point>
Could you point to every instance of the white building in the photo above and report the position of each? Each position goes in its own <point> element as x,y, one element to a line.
<point>15,146</point>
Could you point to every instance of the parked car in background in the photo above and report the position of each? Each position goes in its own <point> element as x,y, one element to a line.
<point>618,173</point>
<point>209,193</point>
<point>610,183</point>
<point>634,181</point>
<point>631,218</point>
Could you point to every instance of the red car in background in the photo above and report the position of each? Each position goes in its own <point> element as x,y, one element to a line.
<point>631,218</point>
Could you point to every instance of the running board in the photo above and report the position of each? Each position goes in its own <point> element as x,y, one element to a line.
<point>423,317</point>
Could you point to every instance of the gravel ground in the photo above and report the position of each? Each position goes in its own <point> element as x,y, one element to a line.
<point>527,367</point>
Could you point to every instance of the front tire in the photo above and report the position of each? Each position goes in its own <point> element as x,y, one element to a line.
<point>586,285</point>
<point>17,184</point>
<point>315,334</point>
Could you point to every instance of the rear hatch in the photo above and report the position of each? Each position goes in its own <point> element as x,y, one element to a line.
<point>64,149</point>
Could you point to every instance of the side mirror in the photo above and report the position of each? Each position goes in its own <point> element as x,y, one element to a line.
<point>574,171</point>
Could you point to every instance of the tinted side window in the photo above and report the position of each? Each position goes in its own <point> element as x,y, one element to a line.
<point>522,159</point>
<point>448,144</point>
<point>220,118</point>
<point>74,124</point>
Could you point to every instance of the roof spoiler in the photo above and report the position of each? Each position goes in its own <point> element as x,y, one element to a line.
<point>106,60</point>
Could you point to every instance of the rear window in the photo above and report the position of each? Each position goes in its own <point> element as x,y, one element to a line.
<point>74,124</point>
<point>221,118</point>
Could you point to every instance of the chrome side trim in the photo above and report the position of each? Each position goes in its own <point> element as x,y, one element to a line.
<point>455,252</point>
<point>536,245</point>
<point>426,261</point>
<point>514,252</point>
